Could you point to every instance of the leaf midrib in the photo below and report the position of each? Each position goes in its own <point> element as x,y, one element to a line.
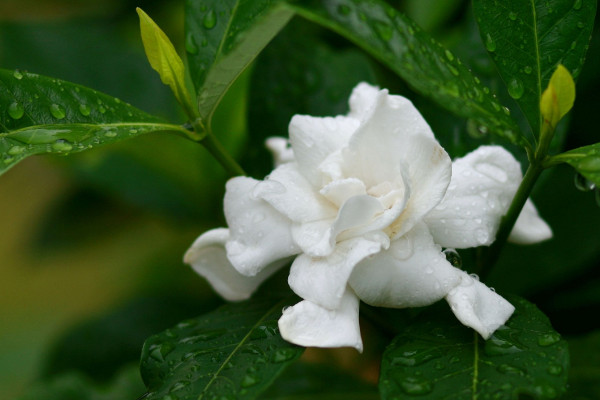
<point>167,127</point>
<point>239,345</point>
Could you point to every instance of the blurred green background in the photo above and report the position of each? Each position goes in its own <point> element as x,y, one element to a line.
<point>91,244</point>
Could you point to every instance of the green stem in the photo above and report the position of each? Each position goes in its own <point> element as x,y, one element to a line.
<point>218,151</point>
<point>489,256</point>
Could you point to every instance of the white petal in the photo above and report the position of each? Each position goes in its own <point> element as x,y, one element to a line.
<point>207,257</point>
<point>482,187</point>
<point>362,99</point>
<point>341,190</point>
<point>307,324</point>
<point>281,150</point>
<point>413,272</point>
<point>315,138</point>
<point>323,280</point>
<point>288,191</point>
<point>477,306</point>
<point>530,228</point>
<point>259,235</point>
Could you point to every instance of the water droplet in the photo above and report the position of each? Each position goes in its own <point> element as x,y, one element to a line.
<point>250,380</point>
<point>190,44</point>
<point>344,9</point>
<point>102,109</point>
<point>16,110</point>
<point>62,146</point>
<point>282,355</point>
<point>512,15</point>
<point>453,70</point>
<point>548,339</point>
<point>554,369</point>
<point>415,386</point>
<point>17,74</point>
<point>160,351</point>
<point>496,346</point>
<point>210,19</point>
<point>528,69</point>
<point>510,370</point>
<point>583,184</point>
<point>57,111</point>
<point>476,130</point>
<point>384,30</point>
<point>490,45</point>
<point>506,110</point>
<point>577,4</point>
<point>453,257</point>
<point>580,24</point>
<point>16,150</point>
<point>449,55</point>
<point>412,358</point>
<point>110,134</point>
<point>515,88</point>
<point>84,109</point>
<point>179,385</point>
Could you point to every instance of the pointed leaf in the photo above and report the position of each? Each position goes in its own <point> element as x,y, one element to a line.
<point>586,160</point>
<point>559,96</point>
<point>421,61</point>
<point>438,358</point>
<point>222,38</point>
<point>164,59</point>
<point>40,115</point>
<point>527,39</point>
<point>233,352</point>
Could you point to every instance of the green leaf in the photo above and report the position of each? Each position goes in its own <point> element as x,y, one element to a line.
<point>438,358</point>
<point>422,62</point>
<point>222,38</point>
<point>559,96</point>
<point>528,39</point>
<point>41,115</point>
<point>586,160</point>
<point>319,382</point>
<point>164,59</point>
<point>233,352</point>
<point>298,74</point>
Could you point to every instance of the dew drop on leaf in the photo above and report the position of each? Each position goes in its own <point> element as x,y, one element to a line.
<point>548,339</point>
<point>528,69</point>
<point>583,184</point>
<point>577,4</point>
<point>190,44</point>
<point>57,111</point>
<point>210,19</point>
<point>449,55</point>
<point>16,150</point>
<point>283,355</point>
<point>515,88</point>
<point>17,74</point>
<point>510,370</point>
<point>84,109</point>
<point>453,257</point>
<point>555,369</point>
<point>415,386</point>
<point>490,45</point>
<point>250,380</point>
<point>62,146</point>
<point>512,15</point>
<point>16,110</point>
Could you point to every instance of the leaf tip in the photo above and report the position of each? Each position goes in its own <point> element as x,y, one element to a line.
<point>559,96</point>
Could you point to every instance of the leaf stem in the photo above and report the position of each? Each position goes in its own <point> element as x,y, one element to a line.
<point>216,149</point>
<point>490,255</point>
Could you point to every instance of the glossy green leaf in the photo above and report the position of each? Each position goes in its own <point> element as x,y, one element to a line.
<point>421,61</point>
<point>40,115</point>
<point>222,38</point>
<point>164,59</point>
<point>527,39</point>
<point>298,74</point>
<point>319,382</point>
<point>586,160</point>
<point>233,352</point>
<point>438,358</point>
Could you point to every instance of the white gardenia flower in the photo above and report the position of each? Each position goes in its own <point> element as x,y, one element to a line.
<point>365,203</point>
